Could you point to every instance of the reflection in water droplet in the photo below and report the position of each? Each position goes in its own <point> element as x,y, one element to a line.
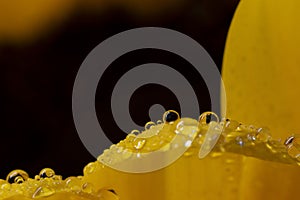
<point>43,192</point>
<point>17,176</point>
<point>188,143</point>
<point>148,125</point>
<point>46,173</point>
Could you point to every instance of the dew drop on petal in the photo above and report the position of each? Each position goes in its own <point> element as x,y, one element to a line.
<point>89,168</point>
<point>17,176</point>
<point>148,125</point>
<point>263,134</point>
<point>139,143</point>
<point>207,117</point>
<point>43,192</point>
<point>47,173</point>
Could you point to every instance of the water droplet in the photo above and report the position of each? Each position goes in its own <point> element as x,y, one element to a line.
<point>134,132</point>
<point>231,125</point>
<point>263,134</point>
<point>139,143</point>
<point>251,136</point>
<point>170,116</point>
<point>17,176</point>
<point>239,141</point>
<point>88,188</point>
<point>159,122</point>
<point>43,192</point>
<point>188,143</point>
<point>5,186</point>
<point>207,117</point>
<point>89,168</point>
<point>46,173</point>
<point>293,146</point>
<point>126,154</point>
<point>73,183</point>
<point>148,125</point>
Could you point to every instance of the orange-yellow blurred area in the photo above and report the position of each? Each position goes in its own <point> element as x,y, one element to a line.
<point>22,21</point>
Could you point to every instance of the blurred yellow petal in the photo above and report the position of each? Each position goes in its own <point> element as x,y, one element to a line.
<point>261,65</point>
<point>261,76</point>
<point>24,20</point>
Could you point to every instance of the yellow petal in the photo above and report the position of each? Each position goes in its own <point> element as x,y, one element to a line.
<point>261,76</point>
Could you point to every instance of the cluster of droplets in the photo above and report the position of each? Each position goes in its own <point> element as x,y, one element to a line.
<point>209,134</point>
<point>46,184</point>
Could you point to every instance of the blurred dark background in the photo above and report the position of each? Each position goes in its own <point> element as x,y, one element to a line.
<point>42,45</point>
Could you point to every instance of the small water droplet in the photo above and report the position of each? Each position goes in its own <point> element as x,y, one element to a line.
<point>43,192</point>
<point>88,188</point>
<point>134,132</point>
<point>251,136</point>
<point>159,122</point>
<point>148,125</point>
<point>139,143</point>
<point>239,141</point>
<point>263,134</point>
<point>5,186</point>
<point>293,146</point>
<point>89,168</point>
<point>188,143</point>
<point>17,176</point>
<point>46,173</point>
<point>207,117</point>
<point>73,183</point>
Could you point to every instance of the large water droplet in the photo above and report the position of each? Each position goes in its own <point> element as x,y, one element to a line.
<point>17,176</point>
<point>170,116</point>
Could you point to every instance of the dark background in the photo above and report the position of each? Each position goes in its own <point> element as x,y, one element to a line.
<point>40,56</point>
